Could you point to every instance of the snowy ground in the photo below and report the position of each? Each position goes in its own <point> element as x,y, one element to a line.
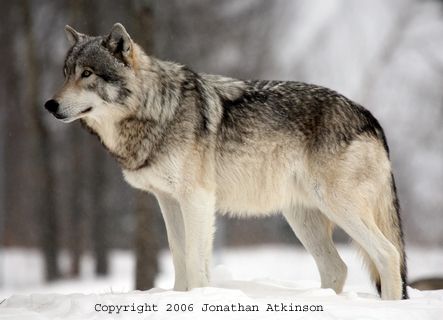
<point>253,277</point>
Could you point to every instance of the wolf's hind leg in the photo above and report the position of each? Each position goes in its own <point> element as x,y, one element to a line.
<point>175,229</point>
<point>357,221</point>
<point>314,231</point>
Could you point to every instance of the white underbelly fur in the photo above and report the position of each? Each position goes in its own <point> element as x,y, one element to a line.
<point>244,186</point>
<point>259,187</point>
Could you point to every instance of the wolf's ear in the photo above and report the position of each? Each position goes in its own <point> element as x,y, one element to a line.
<point>119,42</point>
<point>72,35</point>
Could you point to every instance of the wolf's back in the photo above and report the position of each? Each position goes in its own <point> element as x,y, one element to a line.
<point>319,117</point>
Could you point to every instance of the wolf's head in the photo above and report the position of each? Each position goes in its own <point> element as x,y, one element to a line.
<point>99,76</point>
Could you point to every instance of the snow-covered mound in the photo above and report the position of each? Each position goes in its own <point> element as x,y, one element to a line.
<point>233,300</point>
<point>281,282</point>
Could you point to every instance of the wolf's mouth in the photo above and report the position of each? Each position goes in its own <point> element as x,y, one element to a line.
<point>58,116</point>
<point>86,110</point>
<point>70,119</point>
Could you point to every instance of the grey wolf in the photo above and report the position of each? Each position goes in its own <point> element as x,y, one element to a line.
<point>204,143</point>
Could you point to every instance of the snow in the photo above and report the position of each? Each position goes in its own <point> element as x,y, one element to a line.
<point>261,276</point>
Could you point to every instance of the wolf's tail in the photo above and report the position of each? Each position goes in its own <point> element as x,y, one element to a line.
<point>387,218</point>
<point>396,235</point>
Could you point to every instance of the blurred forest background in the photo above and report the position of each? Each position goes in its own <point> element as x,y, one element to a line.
<point>61,192</point>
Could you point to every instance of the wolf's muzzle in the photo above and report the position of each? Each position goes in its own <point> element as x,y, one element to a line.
<point>51,105</point>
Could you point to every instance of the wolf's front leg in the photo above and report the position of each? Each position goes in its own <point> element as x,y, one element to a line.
<point>175,229</point>
<point>198,209</point>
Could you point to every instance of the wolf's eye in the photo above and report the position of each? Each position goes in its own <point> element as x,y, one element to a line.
<point>86,73</point>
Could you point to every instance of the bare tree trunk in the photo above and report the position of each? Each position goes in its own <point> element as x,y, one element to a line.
<point>76,209</point>
<point>146,233</point>
<point>8,86</point>
<point>8,81</point>
<point>77,12</point>
<point>46,187</point>
<point>100,217</point>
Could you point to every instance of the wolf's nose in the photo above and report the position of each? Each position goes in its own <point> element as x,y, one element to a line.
<point>51,105</point>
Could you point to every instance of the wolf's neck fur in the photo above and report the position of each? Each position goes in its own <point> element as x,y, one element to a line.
<point>133,131</point>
